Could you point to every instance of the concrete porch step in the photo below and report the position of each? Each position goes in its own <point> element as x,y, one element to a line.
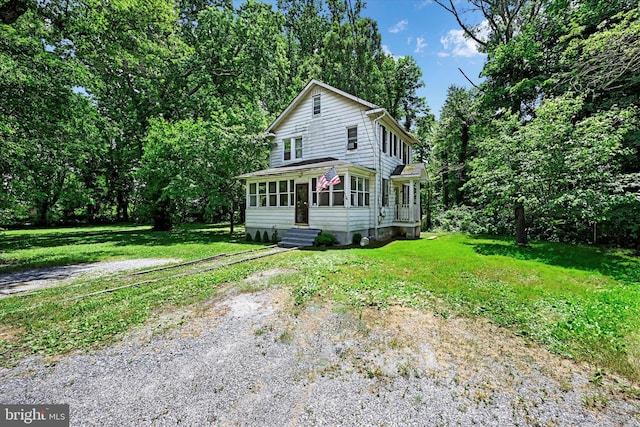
<point>299,237</point>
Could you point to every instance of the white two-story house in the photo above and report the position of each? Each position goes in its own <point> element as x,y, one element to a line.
<point>324,127</point>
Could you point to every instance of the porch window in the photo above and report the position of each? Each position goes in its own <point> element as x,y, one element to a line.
<point>292,148</point>
<point>262,194</point>
<point>352,138</point>
<point>273,193</point>
<point>316,105</point>
<point>359,191</point>
<point>253,194</point>
<point>285,193</point>
<point>333,196</point>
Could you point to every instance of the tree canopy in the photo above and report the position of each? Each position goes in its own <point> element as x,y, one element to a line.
<point>146,110</point>
<point>551,139</point>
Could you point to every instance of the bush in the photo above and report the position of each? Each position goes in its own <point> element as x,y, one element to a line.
<point>257,238</point>
<point>265,236</point>
<point>460,219</point>
<point>324,239</point>
<point>248,237</point>
<point>356,238</point>
<point>274,237</point>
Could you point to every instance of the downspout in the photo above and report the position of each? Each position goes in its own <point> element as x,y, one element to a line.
<point>376,150</point>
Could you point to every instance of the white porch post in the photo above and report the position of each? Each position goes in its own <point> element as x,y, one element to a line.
<point>411,218</point>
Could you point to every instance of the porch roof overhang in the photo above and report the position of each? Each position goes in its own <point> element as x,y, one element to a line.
<point>412,172</point>
<point>319,165</point>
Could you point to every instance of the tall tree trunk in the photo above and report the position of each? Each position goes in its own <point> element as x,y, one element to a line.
<point>231,216</point>
<point>445,187</point>
<point>521,231</point>
<point>462,173</point>
<point>43,213</point>
<point>161,215</point>
<point>122,210</point>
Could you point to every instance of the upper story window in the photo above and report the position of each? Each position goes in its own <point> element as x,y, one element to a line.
<point>384,139</point>
<point>352,138</point>
<point>395,145</point>
<point>292,149</point>
<point>316,105</point>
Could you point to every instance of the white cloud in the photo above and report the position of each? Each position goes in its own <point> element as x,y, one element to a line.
<point>420,45</point>
<point>423,3</point>
<point>386,50</point>
<point>409,40</point>
<point>400,26</point>
<point>456,43</point>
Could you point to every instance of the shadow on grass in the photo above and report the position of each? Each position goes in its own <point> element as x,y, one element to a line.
<point>619,264</point>
<point>120,237</point>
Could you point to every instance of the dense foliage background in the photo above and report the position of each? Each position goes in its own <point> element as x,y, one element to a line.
<point>145,110</point>
<point>548,145</point>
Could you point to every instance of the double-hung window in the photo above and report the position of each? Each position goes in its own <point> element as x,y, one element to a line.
<point>292,149</point>
<point>384,139</point>
<point>352,138</point>
<point>316,105</point>
<point>385,192</point>
<point>359,191</point>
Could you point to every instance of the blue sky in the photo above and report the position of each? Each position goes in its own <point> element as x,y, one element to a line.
<point>424,30</point>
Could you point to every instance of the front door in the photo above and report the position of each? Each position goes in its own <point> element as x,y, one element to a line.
<point>302,204</point>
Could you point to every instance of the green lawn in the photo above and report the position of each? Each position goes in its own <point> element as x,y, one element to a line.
<point>24,249</point>
<point>581,302</point>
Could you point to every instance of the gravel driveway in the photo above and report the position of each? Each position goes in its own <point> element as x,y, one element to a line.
<point>31,280</point>
<point>250,359</point>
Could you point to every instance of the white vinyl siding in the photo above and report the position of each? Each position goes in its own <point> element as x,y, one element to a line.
<point>325,135</point>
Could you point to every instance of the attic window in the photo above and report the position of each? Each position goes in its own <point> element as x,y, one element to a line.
<point>352,138</point>
<point>316,105</point>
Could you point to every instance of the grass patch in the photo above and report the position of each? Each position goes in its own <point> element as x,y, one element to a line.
<point>33,248</point>
<point>49,322</point>
<point>578,301</point>
<point>581,302</point>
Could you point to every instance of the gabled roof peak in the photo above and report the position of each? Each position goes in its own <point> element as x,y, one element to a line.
<point>306,90</point>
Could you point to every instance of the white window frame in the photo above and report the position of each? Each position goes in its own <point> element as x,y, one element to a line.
<point>334,193</point>
<point>316,104</point>
<point>360,192</point>
<point>295,148</point>
<point>351,139</point>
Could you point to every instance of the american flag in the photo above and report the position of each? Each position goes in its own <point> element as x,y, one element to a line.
<point>328,179</point>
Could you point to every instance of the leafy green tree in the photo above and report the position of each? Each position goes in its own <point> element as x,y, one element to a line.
<point>554,168</point>
<point>188,169</point>
<point>45,126</point>
<point>453,145</point>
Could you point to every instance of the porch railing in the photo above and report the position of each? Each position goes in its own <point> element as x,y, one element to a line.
<point>407,213</point>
